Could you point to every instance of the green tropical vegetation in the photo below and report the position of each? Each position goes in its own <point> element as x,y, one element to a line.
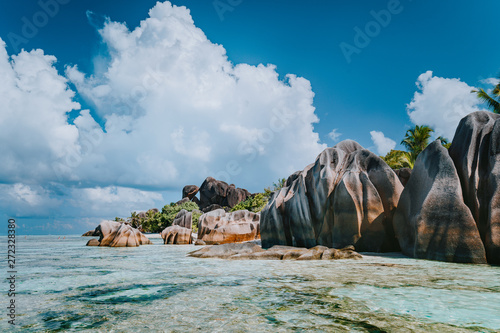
<point>493,100</point>
<point>415,141</point>
<point>157,221</point>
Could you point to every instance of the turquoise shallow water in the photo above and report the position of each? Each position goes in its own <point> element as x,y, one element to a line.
<point>64,286</point>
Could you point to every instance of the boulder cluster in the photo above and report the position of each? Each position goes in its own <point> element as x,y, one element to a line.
<point>447,208</point>
<point>117,234</point>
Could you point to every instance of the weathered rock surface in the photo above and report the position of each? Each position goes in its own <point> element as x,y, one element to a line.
<point>347,197</point>
<point>214,191</point>
<point>184,219</point>
<point>176,235</point>
<point>220,227</point>
<point>211,208</point>
<point>253,251</point>
<point>190,191</point>
<point>403,175</point>
<point>90,233</point>
<point>475,150</point>
<point>183,201</point>
<point>179,233</point>
<point>116,234</point>
<point>93,242</point>
<point>432,221</point>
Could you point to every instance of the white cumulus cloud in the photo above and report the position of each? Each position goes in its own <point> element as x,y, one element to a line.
<point>174,110</point>
<point>440,103</point>
<point>334,135</point>
<point>382,143</point>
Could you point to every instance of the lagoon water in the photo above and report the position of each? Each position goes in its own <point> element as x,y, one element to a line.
<point>64,285</point>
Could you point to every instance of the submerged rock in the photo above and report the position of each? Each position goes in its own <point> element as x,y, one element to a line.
<point>252,251</point>
<point>347,197</point>
<point>220,227</point>
<point>116,234</point>
<point>432,221</point>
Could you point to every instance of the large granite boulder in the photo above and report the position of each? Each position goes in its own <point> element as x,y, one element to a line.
<point>176,235</point>
<point>183,219</point>
<point>214,191</point>
<point>432,220</point>
<point>476,154</point>
<point>347,197</point>
<point>179,232</point>
<point>116,234</point>
<point>220,227</point>
<point>190,191</point>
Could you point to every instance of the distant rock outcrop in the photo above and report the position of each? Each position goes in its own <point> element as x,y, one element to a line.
<point>220,227</point>
<point>116,234</point>
<point>214,191</point>
<point>432,220</point>
<point>190,191</point>
<point>347,197</point>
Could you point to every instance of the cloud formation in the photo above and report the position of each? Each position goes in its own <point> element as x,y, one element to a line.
<point>334,135</point>
<point>382,143</point>
<point>175,110</point>
<point>440,103</point>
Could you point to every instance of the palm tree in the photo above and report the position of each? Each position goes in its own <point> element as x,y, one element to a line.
<point>416,139</point>
<point>398,159</point>
<point>493,101</point>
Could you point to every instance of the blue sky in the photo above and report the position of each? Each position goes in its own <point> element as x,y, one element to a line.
<point>371,92</point>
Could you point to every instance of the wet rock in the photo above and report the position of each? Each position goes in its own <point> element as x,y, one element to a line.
<point>345,253</point>
<point>176,235</point>
<point>314,253</point>
<point>432,220</point>
<point>476,154</point>
<point>199,242</point>
<point>116,234</point>
<point>225,250</point>
<point>190,191</point>
<point>347,197</point>
<point>93,242</point>
<point>250,251</point>
<point>220,227</point>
